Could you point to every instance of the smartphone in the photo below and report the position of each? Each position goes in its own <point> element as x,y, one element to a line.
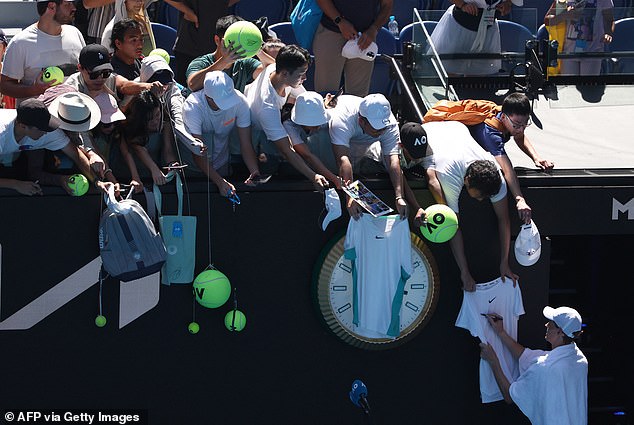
<point>333,100</point>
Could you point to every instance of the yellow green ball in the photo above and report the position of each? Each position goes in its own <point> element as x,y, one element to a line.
<point>162,53</point>
<point>441,225</point>
<point>78,184</point>
<point>245,35</point>
<point>100,321</point>
<point>53,73</point>
<point>211,288</point>
<point>236,324</point>
<point>193,328</point>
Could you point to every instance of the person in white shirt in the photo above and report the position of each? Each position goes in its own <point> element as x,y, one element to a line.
<point>48,42</point>
<point>459,161</point>
<point>358,122</point>
<point>210,115</point>
<point>552,388</point>
<point>278,84</point>
<point>32,126</point>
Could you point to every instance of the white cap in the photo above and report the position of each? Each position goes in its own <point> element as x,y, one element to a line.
<point>110,112</point>
<point>376,109</point>
<point>351,51</point>
<point>309,109</point>
<point>568,319</point>
<point>150,65</point>
<point>219,87</point>
<point>528,245</point>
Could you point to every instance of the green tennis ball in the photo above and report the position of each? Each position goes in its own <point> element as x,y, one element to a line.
<point>239,322</point>
<point>193,328</point>
<point>211,288</point>
<point>245,35</point>
<point>78,184</point>
<point>53,73</point>
<point>100,321</point>
<point>441,225</point>
<point>162,53</point>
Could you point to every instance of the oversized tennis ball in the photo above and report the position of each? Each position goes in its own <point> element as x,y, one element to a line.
<point>211,288</point>
<point>235,320</point>
<point>53,73</point>
<point>78,184</point>
<point>193,328</point>
<point>245,35</point>
<point>100,321</point>
<point>162,53</point>
<point>441,225</point>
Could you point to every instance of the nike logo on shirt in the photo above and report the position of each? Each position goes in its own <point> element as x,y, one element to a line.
<point>491,300</point>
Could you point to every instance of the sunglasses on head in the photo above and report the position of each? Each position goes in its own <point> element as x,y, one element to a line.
<point>96,74</point>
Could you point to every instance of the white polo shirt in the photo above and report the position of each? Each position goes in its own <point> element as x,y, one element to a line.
<point>345,130</point>
<point>215,126</point>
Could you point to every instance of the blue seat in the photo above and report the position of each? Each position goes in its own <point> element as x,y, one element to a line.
<point>623,41</point>
<point>165,38</point>
<point>169,15</point>
<point>403,10</point>
<point>407,33</point>
<point>284,32</point>
<point>542,33</point>
<point>381,82</point>
<point>513,37</point>
<point>275,10</point>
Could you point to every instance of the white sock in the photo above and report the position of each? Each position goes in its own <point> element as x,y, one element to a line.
<point>333,206</point>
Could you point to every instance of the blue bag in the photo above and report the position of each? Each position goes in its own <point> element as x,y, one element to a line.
<point>305,19</point>
<point>179,236</point>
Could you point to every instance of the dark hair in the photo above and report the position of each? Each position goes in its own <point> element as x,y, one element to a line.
<point>120,28</point>
<point>138,113</point>
<point>225,22</point>
<point>43,5</point>
<point>516,104</point>
<point>291,57</point>
<point>484,176</point>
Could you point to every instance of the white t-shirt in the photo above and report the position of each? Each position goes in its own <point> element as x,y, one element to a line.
<point>52,141</point>
<point>553,386</point>
<point>505,300</point>
<point>380,249</point>
<point>454,150</point>
<point>31,50</point>
<point>266,104</point>
<point>215,126</point>
<point>345,129</point>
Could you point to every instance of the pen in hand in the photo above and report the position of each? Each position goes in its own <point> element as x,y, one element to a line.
<point>495,317</point>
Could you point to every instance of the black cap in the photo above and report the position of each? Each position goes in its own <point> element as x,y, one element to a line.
<point>95,57</point>
<point>33,112</point>
<point>414,139</point>
<point>164,76</point>
<point>3,37</point>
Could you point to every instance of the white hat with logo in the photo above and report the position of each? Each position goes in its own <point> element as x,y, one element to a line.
<point>377,110</point>
<point>528,245</point>
<point>219,87</point>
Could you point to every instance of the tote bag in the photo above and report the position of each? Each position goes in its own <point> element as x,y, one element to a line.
<point>179,235</point>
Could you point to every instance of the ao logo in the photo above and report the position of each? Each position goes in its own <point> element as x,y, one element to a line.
<point>135,298</point>
<point>618,207</point>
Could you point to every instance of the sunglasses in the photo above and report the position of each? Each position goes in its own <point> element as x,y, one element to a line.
<point>517,125</point>
<point>103,74</point>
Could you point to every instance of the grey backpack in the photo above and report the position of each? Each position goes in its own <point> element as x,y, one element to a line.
<point>129,245</point>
